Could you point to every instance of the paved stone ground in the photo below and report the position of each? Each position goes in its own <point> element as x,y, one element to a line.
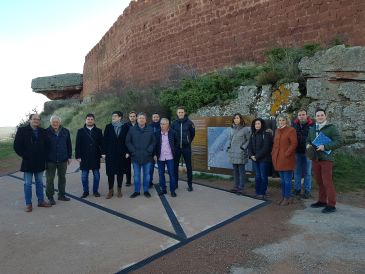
<point>273,239</point>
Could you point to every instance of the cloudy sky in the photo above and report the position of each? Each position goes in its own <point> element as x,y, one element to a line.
<point>43,38</point>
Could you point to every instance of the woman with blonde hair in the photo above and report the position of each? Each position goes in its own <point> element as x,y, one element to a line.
<point>283,155</point>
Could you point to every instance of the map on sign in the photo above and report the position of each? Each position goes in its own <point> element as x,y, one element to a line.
<point>218,141</point>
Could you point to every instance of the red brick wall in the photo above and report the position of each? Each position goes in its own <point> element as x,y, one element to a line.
<point>153,35</point>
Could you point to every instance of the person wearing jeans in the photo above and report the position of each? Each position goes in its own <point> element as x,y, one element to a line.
<point>303,167</point>
<point>88,152</point>
<point>239,138</point>
<point>283,155</point>
<point>141,143</point>
<point>166,143</point>
<point>155,126</point>
<point>30,144</point>
<point>85,180</point>
<point>259,151</point>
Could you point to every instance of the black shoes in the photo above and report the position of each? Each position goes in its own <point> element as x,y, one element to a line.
<point>306,195</point>
<point>190,188</point>
<point>134,195</point>
<point>128,184</point>
<point>297,193</point>
<point>51,201</point>
<point>173,194</point>
<point>163,192</point>
<point>85,194</point>
<point>150,185</point>
<point>63,198</point>
<point>147,194</point>
<point>329,209</point>
<point>96,194</point>
<point>318,205</point>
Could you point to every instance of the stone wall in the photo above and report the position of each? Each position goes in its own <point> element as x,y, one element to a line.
<point>336,83</point>
<point>153,38</point>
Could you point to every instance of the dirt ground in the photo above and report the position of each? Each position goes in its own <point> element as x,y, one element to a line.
<point>272,239</point>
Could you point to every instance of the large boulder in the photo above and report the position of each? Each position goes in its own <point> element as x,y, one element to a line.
<point>61,86</point>
<point>336,83</point>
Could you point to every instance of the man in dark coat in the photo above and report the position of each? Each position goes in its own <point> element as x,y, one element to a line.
<point>88,152</point>
<point>155,126</point>
<point>59,153</point>
<point>166,143</point>
<point>141,144</point>
<point>185,130</point>
<point>303,167</point>
<point>115,152</point>
<point>30,144</point>
<point>132,117</point>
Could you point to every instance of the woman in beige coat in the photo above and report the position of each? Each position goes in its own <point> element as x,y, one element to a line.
<point>283,155</point>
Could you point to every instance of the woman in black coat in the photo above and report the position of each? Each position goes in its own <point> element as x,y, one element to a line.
<point>115,152</point>
<point>259,151</point>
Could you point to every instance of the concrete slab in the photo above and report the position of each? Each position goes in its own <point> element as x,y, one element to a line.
<point>71,237</point>
<point>118,232</point>
<point>206,207</point>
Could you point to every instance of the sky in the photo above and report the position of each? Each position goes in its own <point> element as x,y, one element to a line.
<point>43,38</point>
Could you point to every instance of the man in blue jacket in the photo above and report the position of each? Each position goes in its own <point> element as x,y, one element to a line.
<point>185,130</point>
<point>141,143</point>
<point>59,153</point>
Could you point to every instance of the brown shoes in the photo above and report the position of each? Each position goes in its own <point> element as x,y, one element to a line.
<point>110,194</point>
<point>28,208</point>
<point>120,194</point>
<point>44,204</point>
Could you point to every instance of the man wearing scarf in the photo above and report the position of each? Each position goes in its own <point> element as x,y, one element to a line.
<point>115,152</point>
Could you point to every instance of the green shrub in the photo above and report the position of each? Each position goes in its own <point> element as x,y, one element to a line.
<point>212,88</point>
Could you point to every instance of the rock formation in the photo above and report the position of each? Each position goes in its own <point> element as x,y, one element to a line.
<point>62,86</point>
<point>336,83</point>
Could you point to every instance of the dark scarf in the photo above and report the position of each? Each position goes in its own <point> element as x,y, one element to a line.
<point>117,127</point>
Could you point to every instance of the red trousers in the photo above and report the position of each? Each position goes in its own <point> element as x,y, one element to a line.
<point>322,171</point>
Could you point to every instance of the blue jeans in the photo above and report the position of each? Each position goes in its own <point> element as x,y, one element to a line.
<point>286,177</point>
<point>137,176</point>
<point>239,173</point>
<point>170,170</point>
<point>303,167</point>
<point>261,176</point>
<point>38,177</point>
<point>85,180</point>
<point>151,172</point>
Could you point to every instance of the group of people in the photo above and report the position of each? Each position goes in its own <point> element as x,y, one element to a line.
<point>122,145</point>
<point>134,143</point>
<point>287,149</point>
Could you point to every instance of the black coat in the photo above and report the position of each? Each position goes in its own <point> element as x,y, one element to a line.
<point>31,149</point>
<point>260,146</point>
<point>173,141</point>
<point>185,130</point>
<point>302,133</point>
<point>115,149</point>
<point>59,148</point>
<point>88,147</point>
<point>141,143</point>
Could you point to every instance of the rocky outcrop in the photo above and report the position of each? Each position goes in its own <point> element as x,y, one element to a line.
<point>264,102</point>
<point>336,82</point>
<point>61,86</point>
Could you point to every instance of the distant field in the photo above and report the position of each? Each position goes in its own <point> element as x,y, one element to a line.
<point>6,132</point>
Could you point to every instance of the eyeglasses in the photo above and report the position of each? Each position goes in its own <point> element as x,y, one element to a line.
<point>36,119</point>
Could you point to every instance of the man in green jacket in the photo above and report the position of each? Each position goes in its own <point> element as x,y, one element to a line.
<point>323,164</point>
